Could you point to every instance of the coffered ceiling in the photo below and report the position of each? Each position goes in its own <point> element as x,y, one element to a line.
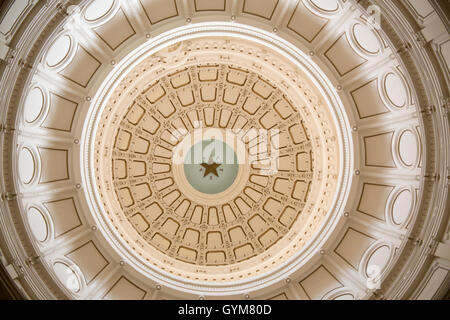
<point>97,95</point>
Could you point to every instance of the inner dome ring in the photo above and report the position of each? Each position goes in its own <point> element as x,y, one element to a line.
<point>159,274</point>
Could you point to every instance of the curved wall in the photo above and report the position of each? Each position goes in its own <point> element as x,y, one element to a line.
<point>390,80</point>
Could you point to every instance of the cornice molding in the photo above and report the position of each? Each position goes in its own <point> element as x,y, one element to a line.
<point>14,78</point>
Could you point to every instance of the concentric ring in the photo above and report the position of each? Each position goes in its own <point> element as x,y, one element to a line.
<point>284,242</point>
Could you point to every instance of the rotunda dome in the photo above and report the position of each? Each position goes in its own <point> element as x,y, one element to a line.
<point>225,149</point>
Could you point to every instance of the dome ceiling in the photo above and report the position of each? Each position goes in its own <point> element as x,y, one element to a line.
<point>328,189</point>
<point>285,180</point>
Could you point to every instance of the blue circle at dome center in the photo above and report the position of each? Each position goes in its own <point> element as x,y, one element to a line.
<point>211,166</point>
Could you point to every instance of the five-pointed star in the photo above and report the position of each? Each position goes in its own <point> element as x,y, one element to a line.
<point>210,168</point>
